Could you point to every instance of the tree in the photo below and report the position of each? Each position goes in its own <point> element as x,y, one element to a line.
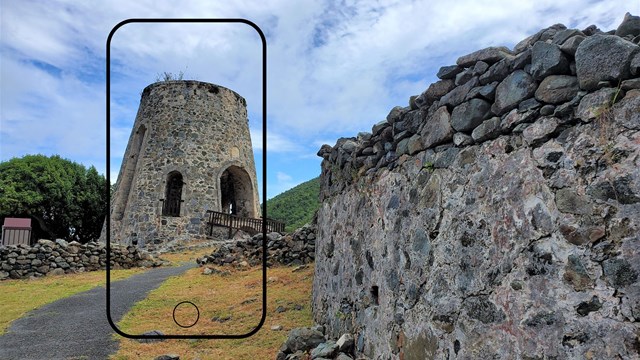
<point>297,205</point>
<point>65,199</point>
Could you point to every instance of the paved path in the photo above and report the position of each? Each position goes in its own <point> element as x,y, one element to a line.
<point>76,327</point>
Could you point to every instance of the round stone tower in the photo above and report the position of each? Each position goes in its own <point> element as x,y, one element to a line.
<point>189,152</point>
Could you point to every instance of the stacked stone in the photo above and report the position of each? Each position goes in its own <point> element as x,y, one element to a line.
<point>496,217</point>
<point>294,249</point>
<point>311,343</point>
<point>47,257</point>
<point>549,81</point>
<point>179,247</point>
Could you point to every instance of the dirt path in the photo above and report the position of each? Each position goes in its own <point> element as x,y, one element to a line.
<point>76,327</point>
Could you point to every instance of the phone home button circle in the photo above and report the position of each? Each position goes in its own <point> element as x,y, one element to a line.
<point>184,314</point>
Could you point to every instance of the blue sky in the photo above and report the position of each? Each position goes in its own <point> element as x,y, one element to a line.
<point>334,67</point>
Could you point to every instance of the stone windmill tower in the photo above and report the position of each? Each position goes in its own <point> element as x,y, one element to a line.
<point>189,152</point>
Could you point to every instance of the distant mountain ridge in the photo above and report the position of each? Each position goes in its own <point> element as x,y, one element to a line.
<point>295,206</point>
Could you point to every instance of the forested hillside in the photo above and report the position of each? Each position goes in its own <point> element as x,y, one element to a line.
<point>295,206</point>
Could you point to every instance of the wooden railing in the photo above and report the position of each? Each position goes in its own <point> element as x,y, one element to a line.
<point>230,221</point>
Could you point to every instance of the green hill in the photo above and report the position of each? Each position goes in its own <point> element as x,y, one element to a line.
<point>295,206</point>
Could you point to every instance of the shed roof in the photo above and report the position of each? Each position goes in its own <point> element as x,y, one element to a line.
<point>17,223</point>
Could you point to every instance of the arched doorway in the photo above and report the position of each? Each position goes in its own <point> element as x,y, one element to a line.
<point>236,192</point>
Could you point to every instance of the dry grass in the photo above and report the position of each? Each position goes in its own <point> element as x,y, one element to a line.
<point>181,257</point>
<point>238,296</point>
<point>187,255</point>
<point>21,296</point>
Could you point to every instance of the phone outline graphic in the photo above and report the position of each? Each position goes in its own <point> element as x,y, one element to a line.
<point>264,179</point>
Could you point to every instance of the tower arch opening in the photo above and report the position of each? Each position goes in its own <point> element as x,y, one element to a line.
<point>236,192</point>
<point>173,194</point>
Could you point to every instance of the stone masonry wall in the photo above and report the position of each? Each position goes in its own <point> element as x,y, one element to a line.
<point>497,216</point>
<point>47,257</point>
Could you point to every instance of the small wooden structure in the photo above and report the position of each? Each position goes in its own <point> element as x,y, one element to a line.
<point>250,225</point>
<point>16,231</point>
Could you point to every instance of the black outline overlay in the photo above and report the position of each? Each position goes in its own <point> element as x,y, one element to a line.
<point>197,312</point>
<point>264,177</point>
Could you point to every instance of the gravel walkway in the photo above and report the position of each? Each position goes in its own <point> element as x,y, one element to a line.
<point>76,327</point>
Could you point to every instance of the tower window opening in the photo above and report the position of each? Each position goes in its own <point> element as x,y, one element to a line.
<point>173,195</point>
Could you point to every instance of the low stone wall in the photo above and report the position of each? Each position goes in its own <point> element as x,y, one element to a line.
<point>296,248</point>
<point>60,257</point>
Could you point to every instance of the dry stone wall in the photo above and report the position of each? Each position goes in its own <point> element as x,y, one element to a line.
<point>497,216</point>
<point>58,257</point>
<point>297,248</point>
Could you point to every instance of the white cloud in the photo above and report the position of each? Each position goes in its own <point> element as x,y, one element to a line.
<point>332,70</point>
<point>282,177</point>
<point>276,143</point>
<point>50,114</point>
<point>283,183</point>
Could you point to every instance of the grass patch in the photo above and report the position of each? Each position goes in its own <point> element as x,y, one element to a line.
<point>237,296</point>
<point>21,296</point>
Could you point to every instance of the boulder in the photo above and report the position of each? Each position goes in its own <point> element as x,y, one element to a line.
<point>489,55</point>
<point>542,35</point>
<point>302,339</point>
<point>45,242</point>
<point>529,104</point>
<point>540,131</point>
<point>435,91</point>
<point>488,91</point>
<point>591,30</point>
<point>480,68</point>
<point>571,45</point>
<point>556,89</point>
<point>512,90</point>
<point>604,58</point>
<point>595,104</point>
<point>345,343</point>
<point>630,84</point>
<point>630,26</point>
<point>377,128</point>
<point>437,128</point>
<point>635,65</point>
<point>563,35</point>
<point>521,60</point>
<point>456,96</point>
<point>449,72</point>
<point>464,76</point>
<point>489,129</point>
<point>325,350</point>
<point>547,110</point>
<point>497,72</point>
<point>468,115</point>
<point>547,59</point>
<point>394,115</point>
<point>414,144</point>
<point>462,139</point>
<point>627,112</point>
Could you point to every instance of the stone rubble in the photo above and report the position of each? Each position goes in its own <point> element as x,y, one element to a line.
<point>297,248</point>
<point>59,257</point>
<point>311,343</point>
<point>496,216</point>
